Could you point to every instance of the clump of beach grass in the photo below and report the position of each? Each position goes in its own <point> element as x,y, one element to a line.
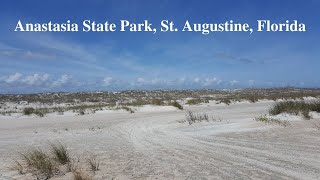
<point>39,112</point>
<point>17,166</point>
<point>94,163</point>
<point>192,117</point>
<point>57,160</point>
<point>60,153</point>
<point>177,105</point>
<point>225,101</point>
<point>130,110</point>
<point>295,107</point>
<point>39,162</point>
<point>270,120</point>
<point>195,101</point>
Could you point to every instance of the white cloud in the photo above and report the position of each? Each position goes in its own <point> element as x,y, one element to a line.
<point>233,82</point>
<point>177,82</point>
<point>35,79</point>
<point>64,82</point>
<point>139,82</point>
<point>108,81</point>
<point>12,78</point>
<point>64,79</point>
<point>211,82</point>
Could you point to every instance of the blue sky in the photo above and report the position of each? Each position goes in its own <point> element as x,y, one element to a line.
<point>55,61</point>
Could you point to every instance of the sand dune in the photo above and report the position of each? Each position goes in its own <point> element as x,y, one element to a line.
<point>152,144</point>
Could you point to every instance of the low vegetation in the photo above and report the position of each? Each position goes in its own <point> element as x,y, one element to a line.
<point>270,120</point>
<point>39,112</point>
<point>126,108</point>
<point>28,111</point>
<point>196,101</point>
<point>60,153</point>
<point>225,101</point>
<point>177,105</point>
<point>17,166</point>
<point>157,102</point>
<point>252,98</point>
<point>93,163</point>
<point>90,102</point>
<point>39,163</point>
<point>44,165</point>
<point>295,107</point>
<point>192,117</point>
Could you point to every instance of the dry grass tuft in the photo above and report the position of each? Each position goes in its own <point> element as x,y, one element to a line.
<point>60,153</point>
<point>40,162</point>
<point>45,165</point>
<point>17,166</point>
<point>192,117</point>
<point>269,120</point>
<point>94,163</point>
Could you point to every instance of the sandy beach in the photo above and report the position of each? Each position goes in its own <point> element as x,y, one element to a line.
<point>154,143</point>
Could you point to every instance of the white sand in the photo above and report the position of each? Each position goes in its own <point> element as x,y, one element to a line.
<point>151,144</point>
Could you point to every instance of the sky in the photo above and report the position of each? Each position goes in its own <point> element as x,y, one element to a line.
<point>35,62</point>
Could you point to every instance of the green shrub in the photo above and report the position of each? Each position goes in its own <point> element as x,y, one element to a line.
<point>194,101</point>
<point>157,102</point>
<point>253,99</point>
<point>226,101</point>
<point>295,107</point>
<point>81,112</point>
<point>177,105</point>
<point>39,112</point>
<point>28,111</point>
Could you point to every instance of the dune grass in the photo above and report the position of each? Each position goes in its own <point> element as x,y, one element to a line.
<point>192,117</point>
<point>39,161</point>
<point>270,120</point>
<point>225,101</point>
<point>94,163</point>
<point>60,153</point>
<point>57,160</point>
<point>177,105</point>
<point>39,112</point>
<point>295,107</point>
<point>195,101</point>
<point>17,166</point>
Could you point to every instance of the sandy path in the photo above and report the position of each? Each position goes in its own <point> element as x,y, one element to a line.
<point>153,145</point>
